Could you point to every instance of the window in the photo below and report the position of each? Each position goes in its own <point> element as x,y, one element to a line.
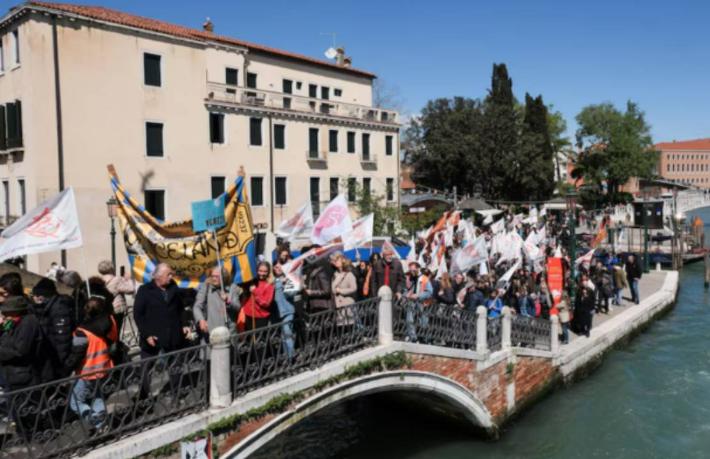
<point>3,138</point>
<point>366,185</point>
<point>257,191</point>
<point>255,131</point>
<point>366,146</point>
<point>13,120</point>
<point>279,136</point>
<point>351,142</point>
<point>231,76</point>
<point>23,198</point>
<point>16,46</point>
<point>337,92</point>
<point>216,128</point>
<point>151,69</point>
<point>6,192</point>
<point>325,92</point>
<point>315,195</point>
<point>216,186</point>
<point>299,85</point>
<point>251,80</point>
<point>155,203</point>
<point>352,189</point>
<point>313,90</point>
<point>2,58</point>
<point>390,189</point>
<point>154,139</point>
<point>333,141</point>
<point>287,86</point>
<point>280,191</point>
<point>388,145</point>
<point>333,187</point>
<point>313,142</point>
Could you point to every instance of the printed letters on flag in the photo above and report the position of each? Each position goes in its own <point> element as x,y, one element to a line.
<point>333,223</point>
<point>52,225</point>
<point>300,224</point>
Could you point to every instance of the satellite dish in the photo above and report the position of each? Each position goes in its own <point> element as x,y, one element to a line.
<point>331,53</point>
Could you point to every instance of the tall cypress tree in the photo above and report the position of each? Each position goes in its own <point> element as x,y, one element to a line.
<point>538,149</point>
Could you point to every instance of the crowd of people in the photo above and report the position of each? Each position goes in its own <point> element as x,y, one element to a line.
<point>45,335</point>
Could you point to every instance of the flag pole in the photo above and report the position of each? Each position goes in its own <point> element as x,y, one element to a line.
<point>86,271</point>
<point>219,261</point>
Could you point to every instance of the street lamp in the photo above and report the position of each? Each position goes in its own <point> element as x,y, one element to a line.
<point>112,210</point>
<point>646,261</point>
<point>571,199</point>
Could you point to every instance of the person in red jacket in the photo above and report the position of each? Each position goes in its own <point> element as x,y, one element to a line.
<point>257,308</point>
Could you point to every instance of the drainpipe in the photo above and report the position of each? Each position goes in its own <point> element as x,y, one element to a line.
<point>58,111</point>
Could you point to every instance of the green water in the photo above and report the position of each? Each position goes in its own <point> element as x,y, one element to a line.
<point>650,399</point>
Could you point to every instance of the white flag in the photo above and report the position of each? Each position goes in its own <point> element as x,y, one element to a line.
<point>586,258</point>
<point>334,222</point>
<point>473,253</point>
<point>498,226</point>
<point>52,225</point>
<point>361,233</point>
<point>300,224</point>
<point>412,255</point>
<point>505,278</point>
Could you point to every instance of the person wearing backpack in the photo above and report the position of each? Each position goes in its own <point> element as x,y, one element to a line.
<point>56,319</point>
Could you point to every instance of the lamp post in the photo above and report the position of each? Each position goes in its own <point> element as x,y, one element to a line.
<point>646,261</point>
<point>112,210</point>
<point>571,199</point>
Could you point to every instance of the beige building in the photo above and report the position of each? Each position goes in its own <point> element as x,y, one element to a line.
<point>177,111</point>
<point>686,162</point>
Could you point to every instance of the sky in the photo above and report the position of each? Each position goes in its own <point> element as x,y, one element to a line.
<point>574,53</point>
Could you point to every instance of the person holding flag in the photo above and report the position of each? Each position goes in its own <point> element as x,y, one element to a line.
<point>419,292</point>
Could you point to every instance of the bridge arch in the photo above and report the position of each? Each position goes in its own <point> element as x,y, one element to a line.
<point>457,396</point>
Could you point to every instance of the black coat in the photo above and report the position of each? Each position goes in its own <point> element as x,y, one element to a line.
<point>319,282</point>
<point>21,358</point>
<point>56,319</point>
<point>633,270</point>
<point>159,316</point>
<point>397,281</point>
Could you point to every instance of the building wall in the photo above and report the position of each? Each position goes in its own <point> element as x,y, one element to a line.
<point>687,166</point>
<point>105,106</point>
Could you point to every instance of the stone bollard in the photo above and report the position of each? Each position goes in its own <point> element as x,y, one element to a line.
<point>554,334</point>
<point>220,363</point>
<point>658,266</point>
<point>481,330</point>
<point>506,328</point>
<point>384,322</point>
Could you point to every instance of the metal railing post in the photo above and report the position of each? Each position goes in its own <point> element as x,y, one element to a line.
<point>481,330</point>
<point>554,334</point>
<point>384,322</point>
<point>506,328</point>
<point>220,390</point>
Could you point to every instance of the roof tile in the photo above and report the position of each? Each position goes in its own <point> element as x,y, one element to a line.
<point>695,144</point>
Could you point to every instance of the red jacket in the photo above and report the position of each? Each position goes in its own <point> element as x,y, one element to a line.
<point>258,304</point>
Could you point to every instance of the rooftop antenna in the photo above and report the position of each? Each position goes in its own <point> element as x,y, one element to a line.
<point>330,53</point>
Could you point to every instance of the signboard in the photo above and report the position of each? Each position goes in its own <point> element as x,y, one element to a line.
<point>653,214</point>
<point>555,279</point>
<point>208,215</point>
<point>417,210</point>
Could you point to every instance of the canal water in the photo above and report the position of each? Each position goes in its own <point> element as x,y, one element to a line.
<point>650,399</point>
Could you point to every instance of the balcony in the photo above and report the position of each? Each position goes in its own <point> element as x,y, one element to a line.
<point>317,159</point>
<point>275,100</point>
<point>368,161</point>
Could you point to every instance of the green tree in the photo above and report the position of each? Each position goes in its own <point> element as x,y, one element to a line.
<point>561,145</point>
<point>615,146</point>
<point>537,166</point>
<point>385,215</point>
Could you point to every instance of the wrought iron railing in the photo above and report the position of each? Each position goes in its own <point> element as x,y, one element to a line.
<point>265,355</point>
<point>437,324</point>
<point>494,329</point>
<point>530,332</point>
<point>71,416</point>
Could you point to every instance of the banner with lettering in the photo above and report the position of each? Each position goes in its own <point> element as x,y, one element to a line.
<point>150,241</point>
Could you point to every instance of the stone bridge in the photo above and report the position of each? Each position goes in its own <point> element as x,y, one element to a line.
<point>480,370</point>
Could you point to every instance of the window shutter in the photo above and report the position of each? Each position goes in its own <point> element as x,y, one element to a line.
<point>3,138</point>
<point>255,131</point>
<point>11,121</point>
<point>18,114</point>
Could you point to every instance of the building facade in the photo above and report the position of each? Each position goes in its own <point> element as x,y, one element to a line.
<point>178,111</point>
<point>686,162</point>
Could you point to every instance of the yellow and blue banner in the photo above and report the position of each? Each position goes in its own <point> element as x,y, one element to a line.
<point>150,241</point>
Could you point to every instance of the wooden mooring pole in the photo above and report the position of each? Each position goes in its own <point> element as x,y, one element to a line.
<point>706,260</point>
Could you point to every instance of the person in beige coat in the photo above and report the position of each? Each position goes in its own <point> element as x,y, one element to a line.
<point>344,287</point>
<point>119,286</point>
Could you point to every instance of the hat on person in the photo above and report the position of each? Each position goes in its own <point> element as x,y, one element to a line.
<point>45,287</point>
<point>14,304</point>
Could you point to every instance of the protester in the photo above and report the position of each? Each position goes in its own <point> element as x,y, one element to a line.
<point>494,305</point>
<point>603,287</point>
<point>318,287</point>
<point>90,357</point>
<point>257,308</point>
<point>388,271</point>
<point>633,275</point>
<point>11,285</point>
<point>563,314</point>
<point>445,291</point>
<point>119,287</point>
<point>584,308</point>
<point>344,287</point>
<point>620,283</point>
<point>21,357</point>
<point>214,307</point>
<point>57,321</point>
<point>419,292</point>
<point>286,296</point>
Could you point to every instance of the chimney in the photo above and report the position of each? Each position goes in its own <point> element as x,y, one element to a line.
<point>348,62</point>
<point>208,26</point>
<point>339,56</point>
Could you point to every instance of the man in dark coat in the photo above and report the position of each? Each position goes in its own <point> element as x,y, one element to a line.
<point>158,312</point>
<point>56,318</point>
<point>20,345</point>
<point>633,275</point>
<point>388,271</point>
<point>318,285</point>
